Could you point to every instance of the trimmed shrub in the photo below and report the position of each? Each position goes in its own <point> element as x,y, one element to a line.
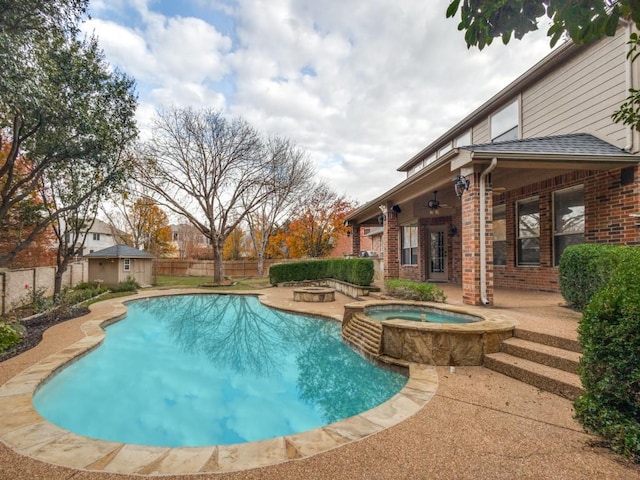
<point>585,269</point>
<point>8,336</point>
<point>129,285</point>
<point>610,336</point>
<point>358,271</point>
<point>408,290</point>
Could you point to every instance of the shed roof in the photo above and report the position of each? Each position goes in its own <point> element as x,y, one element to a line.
<point>119,251</point>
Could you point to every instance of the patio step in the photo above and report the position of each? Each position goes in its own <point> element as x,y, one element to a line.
<point>555,357</point>
<point>363,334</point>
<point>548,339</point>
<point>545,378</point>
<point>545,361</point>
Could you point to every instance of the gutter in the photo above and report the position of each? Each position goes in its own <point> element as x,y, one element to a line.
<point>483,229</point>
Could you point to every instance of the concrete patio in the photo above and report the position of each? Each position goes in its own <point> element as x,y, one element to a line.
<point>479,424</point>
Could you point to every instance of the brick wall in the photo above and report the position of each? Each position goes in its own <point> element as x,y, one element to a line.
<point>607,208</point>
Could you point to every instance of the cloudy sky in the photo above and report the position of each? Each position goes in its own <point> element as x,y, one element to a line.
<point>361,85</point>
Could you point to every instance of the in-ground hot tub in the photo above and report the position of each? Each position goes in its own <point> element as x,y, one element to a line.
<point>421,332</point>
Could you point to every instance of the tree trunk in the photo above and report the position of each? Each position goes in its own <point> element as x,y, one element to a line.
<point>260,264</point>
<point>218,263</point>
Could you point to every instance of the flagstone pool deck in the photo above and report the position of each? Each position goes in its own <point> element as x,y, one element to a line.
<point>471,423</point>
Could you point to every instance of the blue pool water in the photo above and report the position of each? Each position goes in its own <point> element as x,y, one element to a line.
<point>416,315</point>
<point>212,370</point>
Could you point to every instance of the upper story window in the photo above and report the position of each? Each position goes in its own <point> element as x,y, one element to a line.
<point>462,140</point>
<point>96,236</point>
<point>445,149</point>
<point>499,235</point>
<point>410,245</point>
<point>568,220</point>
<point>528,232</point>
<point>505,123</point>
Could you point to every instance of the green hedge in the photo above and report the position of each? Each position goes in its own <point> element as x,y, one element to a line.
<point>358,271</point>
<point>585,269</point>
<point>610,371</point>
<point>408,290</point>
<point>8,336</point>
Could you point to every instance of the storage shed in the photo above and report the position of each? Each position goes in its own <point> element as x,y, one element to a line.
<point>115,264</point>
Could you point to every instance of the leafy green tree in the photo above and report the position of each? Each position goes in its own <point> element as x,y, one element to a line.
<point>583,22</point>
<point>61,104</point>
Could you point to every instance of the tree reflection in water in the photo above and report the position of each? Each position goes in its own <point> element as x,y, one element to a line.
<point>232,331</point>
<point>237,332</point>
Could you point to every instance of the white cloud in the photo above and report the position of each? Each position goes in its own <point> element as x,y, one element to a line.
<point>362,86</point>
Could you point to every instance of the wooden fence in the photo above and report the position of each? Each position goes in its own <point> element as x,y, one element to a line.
<point>204,268</point>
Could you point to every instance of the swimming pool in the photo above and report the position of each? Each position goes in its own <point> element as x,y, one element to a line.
<point>201,370</point>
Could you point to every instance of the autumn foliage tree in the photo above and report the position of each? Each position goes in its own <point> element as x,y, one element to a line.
<point>314,230</point>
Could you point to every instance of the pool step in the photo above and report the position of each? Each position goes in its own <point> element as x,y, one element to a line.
<point>542,360</point>
<point>363,334</point>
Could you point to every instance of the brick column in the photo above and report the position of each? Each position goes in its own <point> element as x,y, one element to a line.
<point>391,239</point>
<point>355,240</point>
<point>471,290</point>
<point>471,242</point>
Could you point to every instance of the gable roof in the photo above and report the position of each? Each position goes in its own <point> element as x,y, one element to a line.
<point>119,251</point>
<point>571,144</point>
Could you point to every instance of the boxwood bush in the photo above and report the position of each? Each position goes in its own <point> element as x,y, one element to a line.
<point>358,271</point>
<point>585,269</point>
<point>8,336</point>
<point>409,290</point>
<point>610,371</point>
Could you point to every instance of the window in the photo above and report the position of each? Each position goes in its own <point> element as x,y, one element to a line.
<point>175,236</point>
<point>127,264</point>
<point>445,149</point>
<point>464,139</point>
<point>499,235</point>
<point>96,236</point>
<point>505,123</point>
<point>568,220</point>
<point>410,245</point>
<point>528,232</point>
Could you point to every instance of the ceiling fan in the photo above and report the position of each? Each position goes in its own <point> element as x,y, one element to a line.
<point>434,204</point>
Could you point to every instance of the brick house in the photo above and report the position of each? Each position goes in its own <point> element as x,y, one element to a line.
<point>495,200</point>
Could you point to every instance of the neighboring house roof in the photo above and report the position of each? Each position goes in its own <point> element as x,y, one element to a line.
<point>572,144</point>
<point>119,251</point>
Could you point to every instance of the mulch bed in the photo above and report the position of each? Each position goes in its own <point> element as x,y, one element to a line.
<point>35,327</point>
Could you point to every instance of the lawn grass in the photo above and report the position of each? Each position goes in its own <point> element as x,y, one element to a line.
<point>167,281</point>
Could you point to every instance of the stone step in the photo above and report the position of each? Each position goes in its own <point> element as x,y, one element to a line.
<point>548,339</point>
<point>555,357</point>
<point>541,376</point>
<point>363,336</point>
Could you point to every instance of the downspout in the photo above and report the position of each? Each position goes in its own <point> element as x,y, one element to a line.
<point>629,84</point>
<point>483,229</point>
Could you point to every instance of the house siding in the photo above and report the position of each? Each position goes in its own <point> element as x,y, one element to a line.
<point>556,104</point>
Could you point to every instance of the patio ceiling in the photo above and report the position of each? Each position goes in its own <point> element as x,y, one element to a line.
<point>520,163</point>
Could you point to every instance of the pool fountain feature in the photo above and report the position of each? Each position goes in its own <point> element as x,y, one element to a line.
<point>395,332</point>
<point>314,294</point>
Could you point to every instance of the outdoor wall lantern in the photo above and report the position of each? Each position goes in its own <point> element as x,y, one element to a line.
<point>348,231</point>
<point>453,230</point>
<point>381,218</point>
<point>460,184</point>
<point>396,209</point>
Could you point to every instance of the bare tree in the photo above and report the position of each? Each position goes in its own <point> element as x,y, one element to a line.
<point>207,168</point>
<point>293,172</point>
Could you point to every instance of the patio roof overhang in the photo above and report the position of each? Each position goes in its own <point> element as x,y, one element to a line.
<point>515,168</point>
